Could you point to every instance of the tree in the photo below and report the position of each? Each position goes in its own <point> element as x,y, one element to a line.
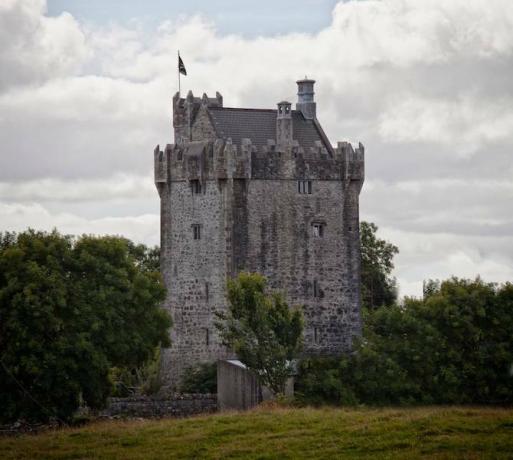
<point>378,286</point>
<point>147,258</point>
<point>70,309</point>
<point>453,347</point>
<point>261,329</point>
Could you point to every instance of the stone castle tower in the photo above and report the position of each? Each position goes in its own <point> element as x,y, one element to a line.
<point>258,190</point>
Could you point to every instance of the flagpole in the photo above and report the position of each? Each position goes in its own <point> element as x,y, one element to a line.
<point>179,92</point>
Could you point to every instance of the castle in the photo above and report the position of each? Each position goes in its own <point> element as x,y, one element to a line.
<point>257,190</point>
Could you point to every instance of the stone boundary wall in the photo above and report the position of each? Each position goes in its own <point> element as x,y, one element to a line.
<point>176,406</point>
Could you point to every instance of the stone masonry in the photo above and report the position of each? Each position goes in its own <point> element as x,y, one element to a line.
<point>261,191</point>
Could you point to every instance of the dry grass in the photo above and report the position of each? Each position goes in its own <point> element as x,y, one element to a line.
<point>272,433</point>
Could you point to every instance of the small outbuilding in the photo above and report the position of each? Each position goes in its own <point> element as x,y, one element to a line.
<point>238,388</point>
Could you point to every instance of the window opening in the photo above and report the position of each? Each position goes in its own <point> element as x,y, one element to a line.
<point>315,289</point>
<point>196,231</point>
<point>196,186</point>
<point>318,230</point>
<point>304,187</point>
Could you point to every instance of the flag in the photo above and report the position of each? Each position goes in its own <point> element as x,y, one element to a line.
<point>181,67</point>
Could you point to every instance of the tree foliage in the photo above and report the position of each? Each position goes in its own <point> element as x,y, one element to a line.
<point>454,346</point>
<point>70,309</point>
<point>261,329</point>
<point>378,286</point>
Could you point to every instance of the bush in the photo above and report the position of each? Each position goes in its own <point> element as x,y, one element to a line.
<point>144,379</point>
<point>454,346</point>
<point>200,379</point>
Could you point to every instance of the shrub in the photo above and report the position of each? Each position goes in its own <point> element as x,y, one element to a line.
<point>200,379</point>
<point>454,346</point>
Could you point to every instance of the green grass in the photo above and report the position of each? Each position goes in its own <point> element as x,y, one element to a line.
<point>268,433</point>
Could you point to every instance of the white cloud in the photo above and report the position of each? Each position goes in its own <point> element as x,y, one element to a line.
<point>116,187</point>
<point>467,124</point>
<point>142,228</point>
<point>36,47</point>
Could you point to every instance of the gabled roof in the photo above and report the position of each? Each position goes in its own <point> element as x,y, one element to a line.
<point>259,125</point>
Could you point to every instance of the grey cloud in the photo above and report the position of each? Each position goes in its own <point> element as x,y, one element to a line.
<point>35,47</point>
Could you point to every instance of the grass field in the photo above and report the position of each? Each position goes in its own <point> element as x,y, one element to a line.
<point>434,432</point>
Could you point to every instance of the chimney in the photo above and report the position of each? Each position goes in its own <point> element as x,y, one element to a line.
<point>284,123</point>
<point>305,98</point>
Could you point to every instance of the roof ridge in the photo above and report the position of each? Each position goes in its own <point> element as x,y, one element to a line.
<point>242,108</point>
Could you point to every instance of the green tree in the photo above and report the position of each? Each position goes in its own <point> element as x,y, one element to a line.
<point>378,286</point>
<point>261,329</point>
<point>70,309</point>
<point>147,258</point>
<point>453,347</point>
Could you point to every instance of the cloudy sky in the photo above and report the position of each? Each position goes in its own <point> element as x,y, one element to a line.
<point>426,86</point>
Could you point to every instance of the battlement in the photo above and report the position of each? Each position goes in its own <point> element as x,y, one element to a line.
<point>186,110</point>
<point>220,159</point>
<point>353,161</point>
<point>181,102</point>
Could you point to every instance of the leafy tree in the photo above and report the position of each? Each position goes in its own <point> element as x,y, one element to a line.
<point>70,309</point>
<point>147,258</point>
<point>261,329</point>
<point>378,286</point>
<point>454,346</point>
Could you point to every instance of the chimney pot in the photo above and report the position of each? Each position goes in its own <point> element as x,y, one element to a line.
<point>305,98</point>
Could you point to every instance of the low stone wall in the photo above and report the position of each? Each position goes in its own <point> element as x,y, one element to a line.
<point>176,406</point>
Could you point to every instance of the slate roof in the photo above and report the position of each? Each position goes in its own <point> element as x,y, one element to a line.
<point>259,125</point>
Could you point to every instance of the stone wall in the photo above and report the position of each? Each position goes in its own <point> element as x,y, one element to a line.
<point>178,406</point>
<point>314,273</point>
<point>195,276</point>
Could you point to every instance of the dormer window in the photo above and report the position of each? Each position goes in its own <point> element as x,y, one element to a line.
<point>304,187</point>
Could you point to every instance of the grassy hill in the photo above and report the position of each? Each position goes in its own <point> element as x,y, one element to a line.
<point>434,432</point>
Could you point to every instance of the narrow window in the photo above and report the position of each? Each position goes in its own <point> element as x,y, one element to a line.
<point>196,231</point>
<point>318,230</point>
<point>196,186</point>
<point>206,292</point>
<point>316,335</point>
<point>304,187</point>
<point>207,337</point>
<point>315,289</point>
